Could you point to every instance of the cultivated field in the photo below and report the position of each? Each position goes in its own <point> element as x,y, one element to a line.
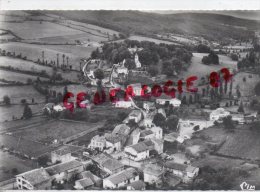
<point>59,130</point>
<point>157,41</point>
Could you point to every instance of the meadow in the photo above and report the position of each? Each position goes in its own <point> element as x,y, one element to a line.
<point>13,76</point>
<point>157,41</point>
<point>34,52</point>
<point>23,65</point>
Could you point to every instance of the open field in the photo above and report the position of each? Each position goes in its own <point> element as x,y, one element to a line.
<point>40,29</point>
<point>34,52</point>
<point>243,144</point>
<point>28,147</point>
<point>20,77</point>
<point>199,69</point>
<point>8,162</point>
<point>157,41</point>
<point>23,65</point>
<point>59,130</point>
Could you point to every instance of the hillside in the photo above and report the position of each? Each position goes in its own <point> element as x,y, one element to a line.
<point>211,26</point>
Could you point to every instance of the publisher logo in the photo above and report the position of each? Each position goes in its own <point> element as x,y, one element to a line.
<point>247,187</point>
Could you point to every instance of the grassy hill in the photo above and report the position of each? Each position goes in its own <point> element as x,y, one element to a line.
<point>211,26</point>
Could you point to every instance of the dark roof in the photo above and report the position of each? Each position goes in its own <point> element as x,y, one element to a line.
<point>66,149</point>
<point>143,146</point>
<point>36,176</point>
<point>175,166</point>
<point>62,167</point>
<point>121,129</point>
<point>112,164</point>
<point>114,138</point>
<point>86,182</point>
<point>123,176</point>
<point>88,174</point>
<point>145,133</point>
<point>138,185</point>
<point>153,169</point>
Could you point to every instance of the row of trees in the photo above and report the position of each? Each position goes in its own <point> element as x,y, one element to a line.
<point>212,58</point>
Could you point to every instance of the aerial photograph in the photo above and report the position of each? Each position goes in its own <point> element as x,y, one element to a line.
<point>129,100</point>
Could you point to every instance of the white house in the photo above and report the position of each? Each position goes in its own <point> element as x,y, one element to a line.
<point>158,145</point>
<point>114,141</point>
<point>218,114</point>
<point>121,179</point>
<point>137,62</point>
<point>122,70</point>
<point>153,174</point>
<point>158,132</point>
<point>135,115</point>
<point>97,142</point>
<point>123,104</point>
<point>148,106</point>
<point>139,151</point>
<point>171,101</point>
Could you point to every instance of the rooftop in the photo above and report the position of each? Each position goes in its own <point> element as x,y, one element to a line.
<point>137,185</point>
<point>86,182</point>
<point>135,113</point>
<point>36,176</point>
<point>175,166</point>
<point>121,129</point>
<point>153,169</point>
<point>145,133</point>
<point>62,167</point>
<point>123,176</point>
<point>142,146</point>
<point>66,149</point>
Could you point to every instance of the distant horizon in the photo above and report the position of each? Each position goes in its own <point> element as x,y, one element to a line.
<point>250,15</point>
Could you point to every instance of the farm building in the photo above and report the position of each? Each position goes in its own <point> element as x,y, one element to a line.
<point>121,179</point>
<point>63,154</point>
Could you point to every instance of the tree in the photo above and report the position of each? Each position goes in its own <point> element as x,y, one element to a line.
<point>228,123</point>
<point>6,100</point>
<point>241,108</point>
<point>172,122</point>
<point>206,60</point>
<point>257,89</point>
<point>129,63</point>
<point>153,70</point>
<point>43,160</point>
<point>234,57</point>
<point>27,112</point>
<point>99,74</point>
<point>159,120</point>
<point>203,48</point>
<point>14,171</point>
<point>196,128</point>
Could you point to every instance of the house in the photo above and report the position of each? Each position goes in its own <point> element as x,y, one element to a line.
<point>149,106</point>
<point>123,104</point>
<point>115,142</point>
<point>158,132</point>
<point>148,119</point>
<point>135,115</point>
<point>121,129</point>
<point>137,62</point>
<point>121,179</point>
<point>153,174</point>
<point>136,185</point>
<point>186,172</point>
<point>63,154</point>
<point>146,134</point>
<point>134,137</point>
<point>158,145</point>
<point>95,179</point>
<point>137,88</point>
<point>238,118</point>
<point>180,158</point>
<point>37,179</point>
<point>87,180</point>
<point>164,99</point>
<point>64,171</point>
<point>108,163</point>
<point>85,183</point>
<point>139,151</point>
<point>97,142</point>
<point>218,114</point>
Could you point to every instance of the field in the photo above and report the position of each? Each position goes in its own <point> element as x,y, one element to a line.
<point>8,162</point>
<point>59,130</point>
<point>34,52</point>
<point>243,144</point>
<point>13,76</point>
<point>40,29</point>
<point>157,41</point>
<point>24,65</point>
<point>199,69</point>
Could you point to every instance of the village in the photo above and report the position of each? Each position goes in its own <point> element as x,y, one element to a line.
<point>128,117</point>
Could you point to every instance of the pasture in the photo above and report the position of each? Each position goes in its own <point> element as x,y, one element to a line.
<point>13,76</point>
<point>157,41</point>
<point>23,65</point>
<point>34,52</point>
<point>36,29</point>
<point>199,69</point>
